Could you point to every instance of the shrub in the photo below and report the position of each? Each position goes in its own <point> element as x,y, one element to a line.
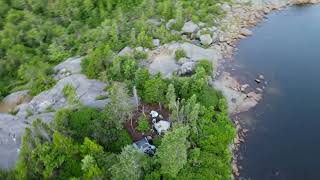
<point>138,55</point>
<point>143,124</point>
<point>180,54</point>
<point>206,65</point>
<point>154,90</point>
<point>69,93</point>
<point>101,97</point>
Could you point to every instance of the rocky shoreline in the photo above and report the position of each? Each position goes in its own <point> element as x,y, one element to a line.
<point>220,44</point>
<point>239,100</point>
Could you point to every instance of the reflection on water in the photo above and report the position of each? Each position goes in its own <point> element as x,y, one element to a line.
<point>284,128</point>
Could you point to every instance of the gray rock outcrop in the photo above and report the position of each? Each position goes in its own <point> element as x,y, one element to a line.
<point>163,60</point>
<point>44,105</point>
<point>245,32</point>
<point>68,67</point>
<point>206,39</point>
<point>190,27</point>
<point>237,99</point>
<point>11,130</point>
<point>17,98</point>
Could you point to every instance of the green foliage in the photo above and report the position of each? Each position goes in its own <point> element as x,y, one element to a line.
<point>122,68</point>
<point>69,93</point>
<point>206,65</point>
<point>36,35</point>
<point>141,76</point>
<point>119,107</point>
<point>90,168</point>
<point>140,55</point>
<point>128,165</point>
<point>97,61</point>
<point>171,97</point>
<point>38,76</point>
<point>144,40</point>
<point>143,124</point>
<point>107,133</point>
<point>180,53</point>
<point>101,97</point>
<point>172,153</point>
<point>154,90</point>
<point>76,123</point>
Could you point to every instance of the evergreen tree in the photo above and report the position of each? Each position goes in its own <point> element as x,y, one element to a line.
<point>171,97</point>
<point>154,90</point>
<point>129,165</point>
<point>119,107</point>
<point>172,153</point>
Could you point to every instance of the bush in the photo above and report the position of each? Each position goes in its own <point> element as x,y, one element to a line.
<point>69,93</point>
<point>206,65</point>
<point>143,124</point>
<point>77,123</point>
<point>101,97</point>
<point>154,90</point>
<point>138,55</point>
<point>180,54</point>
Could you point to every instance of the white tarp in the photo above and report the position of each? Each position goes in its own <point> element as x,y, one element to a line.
<point>162,126</point>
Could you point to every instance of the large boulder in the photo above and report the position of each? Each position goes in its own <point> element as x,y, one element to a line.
<point>17,98</point>
<point>86,91</point>
<point>125,51</point>
<point>163,59</point>
<point>225,7</point>
<point>190,27</point>
<point>206,39</point>
<point>163,63</point>
<point>68,67</point>
<point>186,68</point>
<point>154,22</point>
<point>11,130</point>
<point>44,105</point>
<point>156,42</point>
<point>245,32</point>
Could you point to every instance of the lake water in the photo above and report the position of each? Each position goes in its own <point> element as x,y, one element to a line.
<point>284,137</point>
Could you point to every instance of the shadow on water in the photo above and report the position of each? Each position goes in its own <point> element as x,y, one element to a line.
<point>283,141</point>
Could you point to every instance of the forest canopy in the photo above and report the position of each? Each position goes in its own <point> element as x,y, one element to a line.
<point>90,143</point>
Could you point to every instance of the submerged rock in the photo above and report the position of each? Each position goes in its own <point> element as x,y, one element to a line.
<point>245,32</point>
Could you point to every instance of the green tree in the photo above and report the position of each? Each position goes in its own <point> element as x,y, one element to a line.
<point>144,40</point>
<point>141,76</point>
<point>37,74</point>
<point>119,107</point>
<point>97,61</point>
<point>90,168</point>
<point>171,96</point>
<point>129,165</point>
<point>154,90</point>
<point>172,153</point>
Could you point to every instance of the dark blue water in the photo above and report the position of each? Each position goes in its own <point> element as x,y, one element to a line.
<point>284,141</point>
